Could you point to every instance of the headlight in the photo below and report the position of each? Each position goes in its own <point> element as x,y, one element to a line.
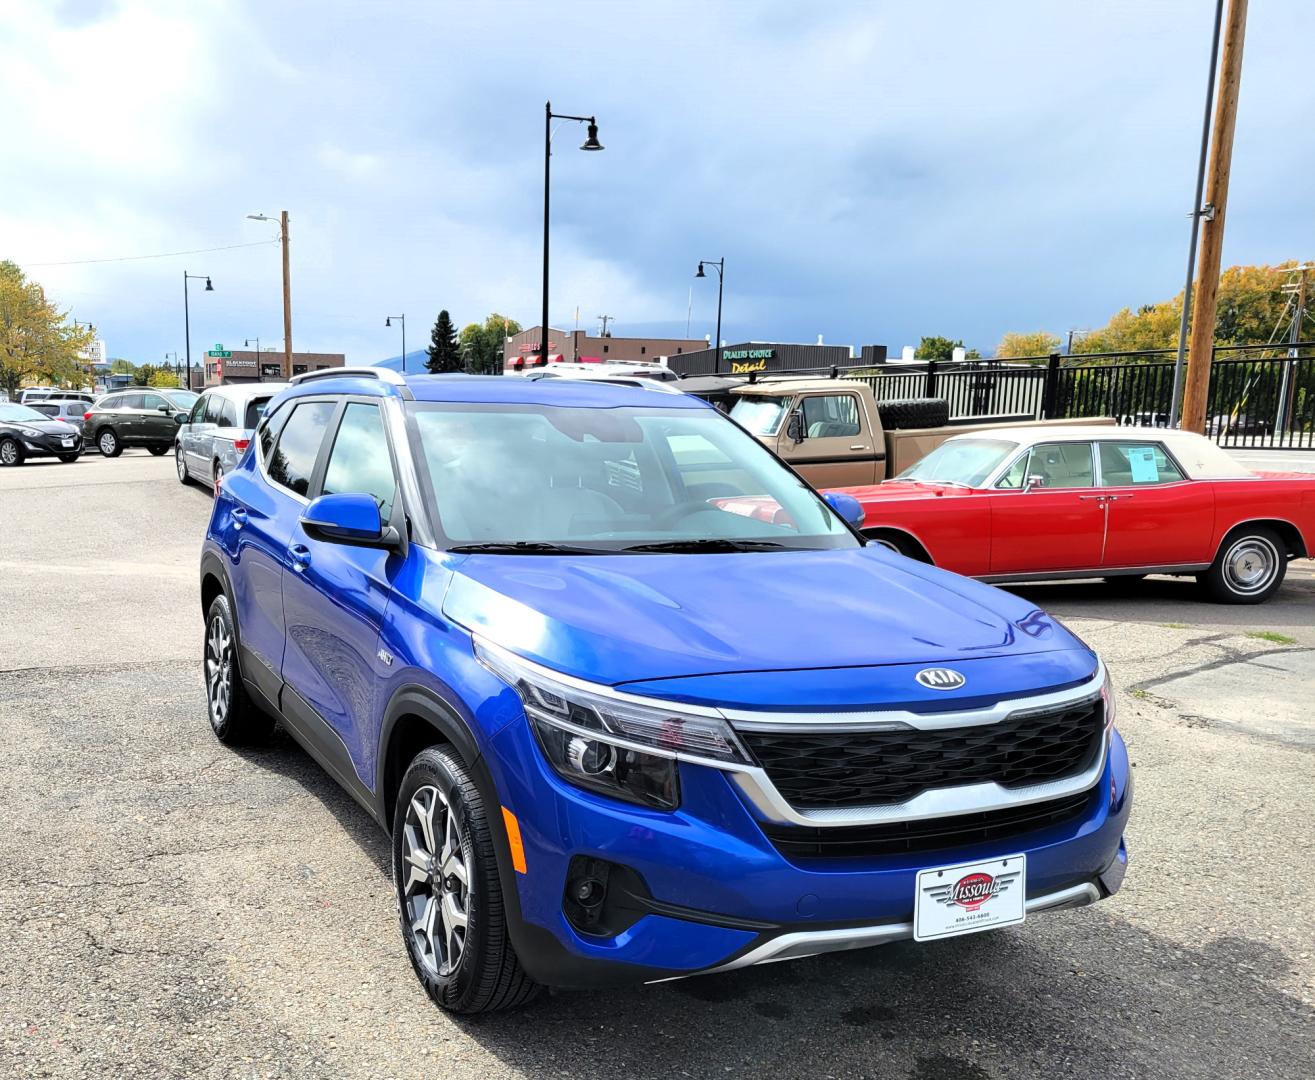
<point>29,433</point>
<point>613,743</point>
<point>1107,696</point>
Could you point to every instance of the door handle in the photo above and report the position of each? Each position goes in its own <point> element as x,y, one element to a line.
<point>860,447</point>
<point>300,557</point>
<point>1098,498</point>
<point>239,517</point>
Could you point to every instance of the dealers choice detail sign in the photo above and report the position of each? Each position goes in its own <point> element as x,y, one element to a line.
<point>743,361</point>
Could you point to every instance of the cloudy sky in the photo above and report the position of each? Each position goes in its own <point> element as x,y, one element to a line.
<point>872,172</point>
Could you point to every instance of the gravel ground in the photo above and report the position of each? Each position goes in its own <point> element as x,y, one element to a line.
<point>175,909</point>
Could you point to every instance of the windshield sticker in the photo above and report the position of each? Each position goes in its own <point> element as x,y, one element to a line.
<point>1142,460</point>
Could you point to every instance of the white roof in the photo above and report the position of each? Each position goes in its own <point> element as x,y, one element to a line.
<point>1201,458</point>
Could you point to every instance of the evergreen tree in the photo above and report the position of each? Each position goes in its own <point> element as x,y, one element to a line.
<point>444,354</point>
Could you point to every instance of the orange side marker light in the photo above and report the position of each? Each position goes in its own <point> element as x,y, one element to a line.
<point>514,840</point>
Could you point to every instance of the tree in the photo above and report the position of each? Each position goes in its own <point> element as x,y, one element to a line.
<point>144,374</point>
<point>444,353</point>
<point>482,345</point>
<point>936,348</point>
<point>1038,343</point>
<point>122,367</point>
<point>164,378</point>
<point>36,345</point>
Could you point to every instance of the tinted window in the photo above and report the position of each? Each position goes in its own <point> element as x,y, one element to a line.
<point>129,401</point>
<point>49,410</point>
<point>198,412</point>
<point>155,402</point>
<point>359,459</point>
<point>255,410</point>
<point>228,413</point>
<point>293,460</point>
<point>213,408</point>
<point>1124,464</point>
<point>831,416</point>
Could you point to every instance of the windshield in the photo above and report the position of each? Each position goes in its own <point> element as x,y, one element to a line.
<point>619,479</point>
<point>20,412</point>
<point>762,416</point>
<point>182,399</point>
<point>961,461</point>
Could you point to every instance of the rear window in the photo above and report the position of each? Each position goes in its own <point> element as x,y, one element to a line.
<point>255,410</point>
<point>49,410</point>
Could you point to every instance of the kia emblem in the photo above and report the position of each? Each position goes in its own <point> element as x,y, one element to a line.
<point>940,678</point>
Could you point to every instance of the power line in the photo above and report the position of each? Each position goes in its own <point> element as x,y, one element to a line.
<point>161,255</point>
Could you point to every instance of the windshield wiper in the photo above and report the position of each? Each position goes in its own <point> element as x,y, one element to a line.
<point>709,545</point>
<point>526,547</point>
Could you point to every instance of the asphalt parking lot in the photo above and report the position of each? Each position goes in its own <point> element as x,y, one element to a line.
<point>174,909</point>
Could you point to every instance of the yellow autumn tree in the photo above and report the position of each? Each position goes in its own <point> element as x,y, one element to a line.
<point>36,344</point>
<point>1038,343</point>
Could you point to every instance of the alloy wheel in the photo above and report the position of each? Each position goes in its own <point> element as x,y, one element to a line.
<point>218,670</point>
<point>107,443</point>
<point>9,452</point>
<point>436,891</point>
<point>1250,565</point>
<point>181,464</point>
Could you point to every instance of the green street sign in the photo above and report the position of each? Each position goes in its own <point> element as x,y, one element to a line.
<point>219,354</point>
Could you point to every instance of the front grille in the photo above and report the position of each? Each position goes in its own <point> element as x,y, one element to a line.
<point>934,834</point>
<point>815,771</point>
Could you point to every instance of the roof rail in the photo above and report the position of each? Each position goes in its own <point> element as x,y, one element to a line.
<point>387,375</point>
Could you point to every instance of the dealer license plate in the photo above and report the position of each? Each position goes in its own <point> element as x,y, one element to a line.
<point>68,440</point>
<point>963,899</point>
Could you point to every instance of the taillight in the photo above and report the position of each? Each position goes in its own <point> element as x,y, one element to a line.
<point>86,416</point>
<point>240,445</point>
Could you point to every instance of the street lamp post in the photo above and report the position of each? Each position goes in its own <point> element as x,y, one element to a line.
<point>176,366</point>
<point>91,363</point>
<point>720,266</point>
<point>187,318</point>
<point>590,143</point>
<point>247,344</point>
<point>389,322</point>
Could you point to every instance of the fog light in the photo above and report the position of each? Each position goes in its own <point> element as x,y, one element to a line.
<point>588,892</point>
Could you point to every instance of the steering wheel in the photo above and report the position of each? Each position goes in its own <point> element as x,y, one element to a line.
<point>679,512</point>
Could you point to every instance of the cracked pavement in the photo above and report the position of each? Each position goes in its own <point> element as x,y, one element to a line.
<point>174,909</point>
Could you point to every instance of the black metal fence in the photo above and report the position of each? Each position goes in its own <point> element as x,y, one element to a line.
<point>1259,395</point>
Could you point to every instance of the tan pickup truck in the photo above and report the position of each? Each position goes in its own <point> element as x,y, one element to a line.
<point>836,434</point>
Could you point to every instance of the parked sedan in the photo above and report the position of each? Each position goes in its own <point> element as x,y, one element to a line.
<point>26,433</point>
<point>137,416</point>
<point>1021,504</point>
<point>71,411</point>
<point>218,430</point>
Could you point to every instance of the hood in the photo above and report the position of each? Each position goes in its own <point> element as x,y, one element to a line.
<point>48,427</point>
<point>904,490</point>
<point>624,618</point>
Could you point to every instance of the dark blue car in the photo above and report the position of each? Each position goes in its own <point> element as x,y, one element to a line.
<point>619,729</point>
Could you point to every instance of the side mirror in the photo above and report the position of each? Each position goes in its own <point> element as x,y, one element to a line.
<point>846,506</point>
<point>1034,480</point>
<point>347,518</point>
<point>794,427</point>
<point>162,408</point>
<point>180,418</point>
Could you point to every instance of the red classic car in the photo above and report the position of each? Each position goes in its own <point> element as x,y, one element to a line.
<point>1032,503</point>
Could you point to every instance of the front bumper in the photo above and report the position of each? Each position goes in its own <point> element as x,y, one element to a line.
<point>50,445</point>
<point>723,897</point>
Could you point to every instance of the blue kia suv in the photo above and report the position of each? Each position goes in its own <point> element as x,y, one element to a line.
<point>632,700</point>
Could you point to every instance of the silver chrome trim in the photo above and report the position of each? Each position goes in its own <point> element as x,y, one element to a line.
<point>797,945</point>
<point>388,375</point>
<point>893,719</point>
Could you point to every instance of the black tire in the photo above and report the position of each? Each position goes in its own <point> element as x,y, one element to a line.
<point>234,717</point>
<point>180,464</point>
<point>68,459</point>
<point>108,442</point>
<point>487,975</point>
<point>11,452</point>
<point>1249,567</point>
<point>898,542</point>
<point>904,413</point>
<point>158,451</point>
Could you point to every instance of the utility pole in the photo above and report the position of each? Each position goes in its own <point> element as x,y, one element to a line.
<point>1285,395</point>
<point>287,296</point>
<point>605,319</point>
<point>1197,385</point>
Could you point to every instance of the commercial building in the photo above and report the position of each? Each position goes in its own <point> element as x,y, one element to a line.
<point>222,365</point>
<point>749,357</point>
<point>579,346</point>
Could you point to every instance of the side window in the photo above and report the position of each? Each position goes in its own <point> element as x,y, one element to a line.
<point>154,402</point>
<point>198,412</point>
<point>1125,464</point>
<point>831,416</point>
<point>130,401</point>
<point>293,459</point>
<point>1016,475</point>
<point>255,410</point>
<point>359,460</point>
<point>228,413</point>
<point>214,408</point>
<point>1060,465</point>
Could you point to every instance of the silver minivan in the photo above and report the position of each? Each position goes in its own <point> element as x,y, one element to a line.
<point>216,433</point>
